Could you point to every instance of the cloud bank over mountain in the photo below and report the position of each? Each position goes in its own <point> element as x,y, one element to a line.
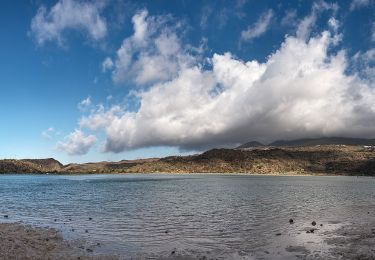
<point>303,89</point>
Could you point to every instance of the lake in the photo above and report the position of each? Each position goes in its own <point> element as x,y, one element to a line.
<point>217,216</point>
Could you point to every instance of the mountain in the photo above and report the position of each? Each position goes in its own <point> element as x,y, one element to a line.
<point>252,144</point>
<point>324,141</point>
<point>323,159</point>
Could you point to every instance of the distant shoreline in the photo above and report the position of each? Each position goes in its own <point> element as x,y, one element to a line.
<point>319,160</point>
<point>194,174</point>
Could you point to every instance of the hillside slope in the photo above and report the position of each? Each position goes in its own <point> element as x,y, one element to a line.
<point>325,159</point>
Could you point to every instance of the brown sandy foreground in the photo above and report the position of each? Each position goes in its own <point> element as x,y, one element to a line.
<point>345,241</point>
<point>19,241</point>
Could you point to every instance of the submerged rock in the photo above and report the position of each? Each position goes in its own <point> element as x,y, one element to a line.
<point>313,223</point>
<point>291,221</point>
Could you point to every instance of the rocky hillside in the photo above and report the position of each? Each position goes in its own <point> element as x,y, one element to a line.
<point>323,159</point>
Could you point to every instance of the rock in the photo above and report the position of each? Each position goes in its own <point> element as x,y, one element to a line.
<point>313,223</point>
<point>6,216</point>
<point>86,231</point>
<point>291,221</point>
<point>90,218</point>
<point>312,230</point>
<point>55,220</point>
<point>166,232</point>
<point>321,225</point>
<point>278,234</point>
<point>173,252</point>
<point>98,244</point>
<point>89,250</point>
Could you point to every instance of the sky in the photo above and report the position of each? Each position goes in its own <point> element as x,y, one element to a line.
<point>110,80</point>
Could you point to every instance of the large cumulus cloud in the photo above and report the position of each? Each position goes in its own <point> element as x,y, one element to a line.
<point>302,90</point>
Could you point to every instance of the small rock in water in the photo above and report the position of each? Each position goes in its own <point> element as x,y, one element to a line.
<point>321,225</point>
<point>89,250</point>
<point>313,223</point>
<point>55,220</point>
<point>166,232</point>
<point>278,234</point>
<point>72,229</point>
<point>312,230</point>
<point>308,231</point>
<point>90,218</point>
<point>70,219</point>
<point>98,244</point>
<point>86,231</point>
<point>291,221</point>
<point>173,252</point>
<point>6,216</point>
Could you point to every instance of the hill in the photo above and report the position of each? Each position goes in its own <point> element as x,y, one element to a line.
<point>252,144</point>
<point>323,159</point>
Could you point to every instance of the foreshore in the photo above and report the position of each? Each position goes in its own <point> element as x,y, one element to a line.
<point>334,240</point>
<point>19,241</point>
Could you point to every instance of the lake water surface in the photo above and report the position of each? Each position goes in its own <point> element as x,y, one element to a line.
<point>152,215</point>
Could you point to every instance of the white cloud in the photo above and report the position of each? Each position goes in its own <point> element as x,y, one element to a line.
<point>364,63</point>
<point>302,90</point>
<point>259,28</point>
<point>50,25</point>
<point>307,24</point>
<point>76,143</point>
<point>290,18</point>
<point>153,53</point>
<point>357,4</point>
<point>50,133</point>
<point>84,104</point>
<point>107,64</point>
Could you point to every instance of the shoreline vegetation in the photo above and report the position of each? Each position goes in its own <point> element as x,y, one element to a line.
<point>264,160</point>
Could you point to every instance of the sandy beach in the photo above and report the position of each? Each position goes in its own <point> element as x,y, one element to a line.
<point>20,241</point>
<point>349,241</point>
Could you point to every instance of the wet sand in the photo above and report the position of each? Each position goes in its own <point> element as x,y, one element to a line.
<point>18,241</point>
<point>348,241</point>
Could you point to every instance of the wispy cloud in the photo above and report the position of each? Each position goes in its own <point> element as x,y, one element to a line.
<point>84,104</point>
<point>50,25</point>
<point>290,18</point>
<point>357,4</point>
<point>259,28</point>
<point>76,143</point>
<point>50,133</point>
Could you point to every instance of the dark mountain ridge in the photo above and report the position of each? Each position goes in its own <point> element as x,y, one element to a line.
<point>312,142</point>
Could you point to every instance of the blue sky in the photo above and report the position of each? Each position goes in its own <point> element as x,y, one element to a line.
<point>111,80</point>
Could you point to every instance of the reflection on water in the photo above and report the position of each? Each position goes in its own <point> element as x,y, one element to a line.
<point>154,214</point>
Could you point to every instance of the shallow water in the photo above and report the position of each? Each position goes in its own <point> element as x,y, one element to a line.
<point>218,216</point>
